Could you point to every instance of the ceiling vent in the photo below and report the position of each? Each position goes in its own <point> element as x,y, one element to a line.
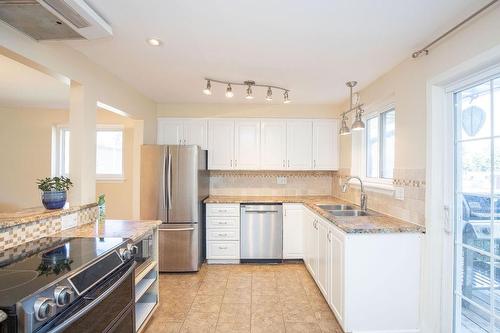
<point>54,19</point>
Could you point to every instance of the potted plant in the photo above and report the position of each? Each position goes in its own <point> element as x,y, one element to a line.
<point>54,191</point>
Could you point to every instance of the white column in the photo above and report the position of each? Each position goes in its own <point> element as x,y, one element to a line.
<point>82,124</point>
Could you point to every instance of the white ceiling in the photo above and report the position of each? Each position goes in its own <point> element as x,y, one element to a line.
<point>22,86</point>
<point>309,47</point>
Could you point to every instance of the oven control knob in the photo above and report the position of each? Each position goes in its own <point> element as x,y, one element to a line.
<point>44,308</point>
<point>63,295</point>
<point>125,254</point>
<point>132,248</point>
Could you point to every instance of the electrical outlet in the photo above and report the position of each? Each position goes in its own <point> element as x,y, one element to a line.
<point>69,221</point>
<point>281,180</point>
<point>399,193</point>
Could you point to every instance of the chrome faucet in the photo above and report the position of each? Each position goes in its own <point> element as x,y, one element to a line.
<point>363,200</point>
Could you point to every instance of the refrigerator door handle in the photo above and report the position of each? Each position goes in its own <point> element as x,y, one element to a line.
<point>178,229</point>
<point>169,180</point>
<point>164,199</point>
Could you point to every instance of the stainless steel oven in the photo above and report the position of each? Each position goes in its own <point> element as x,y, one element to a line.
<point>107,307</point>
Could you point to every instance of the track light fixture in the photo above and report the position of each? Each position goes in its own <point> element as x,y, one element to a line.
<point>229,91</point>
<point>249,89</point>
<point>269,96</point>
<point>358,123</point>
<point>208,88</point>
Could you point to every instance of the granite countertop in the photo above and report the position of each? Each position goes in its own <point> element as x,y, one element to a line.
<point>28,215</point>
<point>132,229</point>
<point>375,223</point>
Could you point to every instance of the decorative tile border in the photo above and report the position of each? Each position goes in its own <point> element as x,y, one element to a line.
<point>27,232</point>
<point>269,174</point>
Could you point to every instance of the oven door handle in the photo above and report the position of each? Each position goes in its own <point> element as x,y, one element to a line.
<point>93,304</point>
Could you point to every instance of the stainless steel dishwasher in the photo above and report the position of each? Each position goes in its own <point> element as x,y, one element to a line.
<point>261,236</point>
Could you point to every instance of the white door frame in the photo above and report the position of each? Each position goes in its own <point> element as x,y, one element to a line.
<point>437,274</point>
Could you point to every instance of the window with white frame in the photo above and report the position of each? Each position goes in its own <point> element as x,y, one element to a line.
<point>109,152</point>
<point>379,145</point>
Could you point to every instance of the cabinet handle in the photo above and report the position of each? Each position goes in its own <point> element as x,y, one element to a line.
<point>288,163</point>
<point>329,236</point>
<point>224,223</point>
<point>314,164</point>
<point>222,247</point>
<point>222,234</point>
<point>180,141</point>
<point>184,141</point>
<point>284,164</point>
<point>231,161</point>
<point>235,163</point>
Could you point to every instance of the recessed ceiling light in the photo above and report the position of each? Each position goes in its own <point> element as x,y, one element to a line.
<point>154,42</point>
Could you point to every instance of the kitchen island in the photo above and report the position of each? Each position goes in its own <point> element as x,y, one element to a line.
<point>144,234</point>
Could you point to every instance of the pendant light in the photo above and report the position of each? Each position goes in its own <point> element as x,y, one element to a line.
<point>344,129</point>
<point>358,123</point>
<point>286,100</point>
<point>249,92</point>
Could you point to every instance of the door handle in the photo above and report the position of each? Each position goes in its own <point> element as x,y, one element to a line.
<point>261,211</point>
<point>163,182</point>
<point>169,179</point>
<point>179,229</point>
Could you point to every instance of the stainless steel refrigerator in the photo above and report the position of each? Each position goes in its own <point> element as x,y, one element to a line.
<point>174,183</point>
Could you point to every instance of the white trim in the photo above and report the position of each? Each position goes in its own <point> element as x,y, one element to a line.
<point>110,179</point>
<point>358,147</point>
<point>437,304</point>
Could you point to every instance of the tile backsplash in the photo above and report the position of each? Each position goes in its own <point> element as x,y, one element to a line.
<point>265,183</point>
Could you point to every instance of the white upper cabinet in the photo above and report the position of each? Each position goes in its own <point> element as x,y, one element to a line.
<point>195,132</point>
<point>257,144</point>
<point>247,144</point>
<point>299,144</point>
<point>325,144</point>
<point>273,144</point>
<point>177,131</point>
<point>220,144</point>
<point>170,131</point>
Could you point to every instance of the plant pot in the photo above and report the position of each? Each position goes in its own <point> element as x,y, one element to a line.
<point>54,199</point>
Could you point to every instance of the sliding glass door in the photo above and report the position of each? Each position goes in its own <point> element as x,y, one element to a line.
<point>477,202</point>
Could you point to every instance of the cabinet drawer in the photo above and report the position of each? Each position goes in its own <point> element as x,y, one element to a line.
<point>223,210</point>
<point>223,222</point>
<point>223,234</point>
<point>223,249</point>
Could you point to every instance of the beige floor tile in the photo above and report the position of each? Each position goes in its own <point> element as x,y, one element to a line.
<point>200,322</point>
<point>206,303</point>
<point>330,326</point>
<point>235,313</point>
<point>268,325</point>
<point>233,327</point>
<point>241,296</point>
<point>302,328</point>
<point>156,325</point>
<point>293,312</point>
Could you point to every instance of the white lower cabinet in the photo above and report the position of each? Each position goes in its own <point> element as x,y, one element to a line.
<point>293,231</point>
<point>223,233</point>
<point>370,281</point>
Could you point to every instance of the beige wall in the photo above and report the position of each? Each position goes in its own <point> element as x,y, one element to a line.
<point>25,150</point>
<point>26,143</point>
<point>247,110</point>
<point>118,194</point>
<point>66,63</point>
<point>406,85</point>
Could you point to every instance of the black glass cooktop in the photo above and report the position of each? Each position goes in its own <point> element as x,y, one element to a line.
<point>29,267</point>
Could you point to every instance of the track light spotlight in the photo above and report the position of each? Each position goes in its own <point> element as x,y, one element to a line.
<point>229,91</point>
<point>269,96</point>
<point>249,92</point>
<point>208,88</point>
<point>286,100</point>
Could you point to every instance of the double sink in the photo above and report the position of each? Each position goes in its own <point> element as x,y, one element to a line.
<point>344,210</point>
